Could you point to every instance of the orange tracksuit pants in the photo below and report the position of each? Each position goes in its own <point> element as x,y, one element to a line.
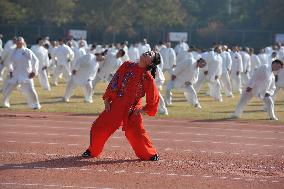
<point>108,122</point>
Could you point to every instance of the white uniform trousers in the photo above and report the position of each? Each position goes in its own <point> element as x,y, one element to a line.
<point>236,83</point>
<point>88,90</point>
<point>27,88</point>
<point>246,97</point>
<point>43,80</point>
<point>60,69</point>
<point>190,95</point>
<point>226,84</point>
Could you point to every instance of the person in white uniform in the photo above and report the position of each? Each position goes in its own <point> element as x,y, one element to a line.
<point>261,85</point>
<point>185,75</point>
<point>255,61</point>
<point>226,69</point>
<point>64,56</point>
<point>42,55</point>
<point>83,74</point>
<point>133,53</point>
<point>237,68</point>
<point>263,57</point>
<point>279,81</point>
<point>160,80</point>
<point>111,62</point>
<point>23,68</point>
<point>246,66</point>
<point>5,58</point>
<point>214,61</point>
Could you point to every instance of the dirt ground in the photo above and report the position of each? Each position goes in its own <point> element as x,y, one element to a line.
<point>43,151</point>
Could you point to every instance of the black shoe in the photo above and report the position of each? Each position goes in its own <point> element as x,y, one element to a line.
<point>87,154</point>
<point>156,157</point>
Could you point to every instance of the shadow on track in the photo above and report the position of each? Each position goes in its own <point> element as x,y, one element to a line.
<point>66,162</point>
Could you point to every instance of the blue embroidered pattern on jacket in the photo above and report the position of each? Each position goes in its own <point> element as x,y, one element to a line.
<point>114,82</point>
<point>124,82</point>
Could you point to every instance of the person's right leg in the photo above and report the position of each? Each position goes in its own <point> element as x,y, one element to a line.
<point>245,98</point>
<point>270,107</point>
<point>69,89</point>
<point>139,139</point>
<point>9,87</point>
<point>29,91</point>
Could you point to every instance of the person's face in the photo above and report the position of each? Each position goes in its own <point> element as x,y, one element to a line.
<point>99,57</point>
<point>146,58</point>
<point>276,67</point>
<point>201,64</point>
<point>20,43</point>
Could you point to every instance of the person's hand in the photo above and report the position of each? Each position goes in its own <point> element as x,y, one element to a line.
<point>31,75</point>
<point>107,105</point>
<point>138,111</point>
<point>44,68</point>
<point>205,72</point>
<point>74,72</point>
<point>248,89</point>
<point>216,77</point>
<point>11,74</point>
<point>173,77</point>
<point>267,95</point>
<point>238,73</point>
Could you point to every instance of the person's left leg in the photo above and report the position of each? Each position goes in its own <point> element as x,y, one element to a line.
<point>269,104</point>
<point>29,91</point>
<point>139,139</point>
<point>88,88</point>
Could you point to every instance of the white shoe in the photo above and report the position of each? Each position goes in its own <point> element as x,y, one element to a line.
<point>66,99</point>
<point>197,106</point>
<point>164,112</point>
<point>89,101</point>
<point>6,105</point>
<point>273,118</point>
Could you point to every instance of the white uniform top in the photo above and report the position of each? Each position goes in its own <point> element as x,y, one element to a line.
<point>280,82</point>
<point>9,44</point>
<point>86,67</point>
<point>237,65</point>
<point>109,66</point>
<point>63,54</point>
<point>78,52</point>
<point>133,53</point>
<point>246,61</point>
<point>263,57</point>
<point>42,55</point>
<point>24,62</point>
<point>143,48</point>
<point>6,55</point>
<point>169,58</point>
<point>186,71</point>
<point>255,61</point>
<point>214,65</point>
<point>226,61</point>
<point>262,81</point>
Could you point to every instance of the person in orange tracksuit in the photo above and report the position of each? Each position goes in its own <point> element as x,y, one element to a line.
<point>123,107</point>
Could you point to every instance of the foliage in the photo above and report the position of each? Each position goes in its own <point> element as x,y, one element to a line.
<point>114,16</point>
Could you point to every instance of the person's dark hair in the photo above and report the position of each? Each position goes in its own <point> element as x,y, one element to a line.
<point>38,40</point>
<point>122,52</point>
<point>156,60</point>
<point>277,61</point>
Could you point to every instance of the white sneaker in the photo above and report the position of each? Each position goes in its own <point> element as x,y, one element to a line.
<point>164,112</point>
<point>273,118</point>
<point>197,106</point>
<point>6,105</point>
<point>66,99</point>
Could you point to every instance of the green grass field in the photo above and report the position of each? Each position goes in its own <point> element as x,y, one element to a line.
<point>211,110</point>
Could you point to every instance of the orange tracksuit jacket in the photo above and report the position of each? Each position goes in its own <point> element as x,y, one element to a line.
<point>125,91</point>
